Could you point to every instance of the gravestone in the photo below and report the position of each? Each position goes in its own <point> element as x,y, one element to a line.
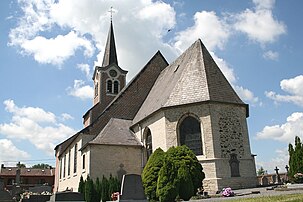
<point>132,189</point>
<point>4,195</point>
<point>264,181</point>
<point>67,196</point>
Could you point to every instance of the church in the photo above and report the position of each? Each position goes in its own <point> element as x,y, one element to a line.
<point>188,102</point>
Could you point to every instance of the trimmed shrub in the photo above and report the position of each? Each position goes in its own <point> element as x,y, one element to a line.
<point>186,187</point>
<point>104,184</point>
<point>81,187</point>
<point>168,185</point>
<point>172,174</point>
<point>151,172</point>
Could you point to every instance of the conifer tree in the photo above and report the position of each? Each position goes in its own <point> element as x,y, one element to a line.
<point>151,172</point>
<point>186,187</point>
<point>81,187</point>
<point>295,157</point>
<point>104,184</point>
<point>98,188</point>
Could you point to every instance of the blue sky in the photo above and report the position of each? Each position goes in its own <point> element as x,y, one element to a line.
<point>49,49</point>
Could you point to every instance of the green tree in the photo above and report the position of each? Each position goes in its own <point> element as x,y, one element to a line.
<point>90,193</point>
<point>20,165</point>
<point>295,157</point>
<point>186,187</point>
<point>180,175</point>
<point>41,166</point>
<point>151,172</point>
<point>81,187</point>
<point>98,188</point>
<point>168,184</point>
<point>104,184</point>
<point>261,171</point>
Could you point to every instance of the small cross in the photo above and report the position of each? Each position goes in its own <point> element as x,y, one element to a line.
<point>111,13</point>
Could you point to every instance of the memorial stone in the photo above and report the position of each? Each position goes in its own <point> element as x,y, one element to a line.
<point>132,189</point>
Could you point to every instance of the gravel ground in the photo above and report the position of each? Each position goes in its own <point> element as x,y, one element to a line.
<point>263,192</point>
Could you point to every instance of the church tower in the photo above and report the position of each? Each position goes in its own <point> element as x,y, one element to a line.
<point>109,79</point>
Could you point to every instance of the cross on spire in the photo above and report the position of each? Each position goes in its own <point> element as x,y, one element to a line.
<point>111,13</point>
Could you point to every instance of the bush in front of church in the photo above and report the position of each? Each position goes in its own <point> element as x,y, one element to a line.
<point>151,172</point>
<point>180,175</point>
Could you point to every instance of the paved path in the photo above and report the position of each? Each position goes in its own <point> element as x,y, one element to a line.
<point>263,192</point>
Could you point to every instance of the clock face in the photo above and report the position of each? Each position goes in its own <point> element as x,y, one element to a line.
<point>112,73</point>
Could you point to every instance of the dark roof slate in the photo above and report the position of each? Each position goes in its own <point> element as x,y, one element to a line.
<point>110,53</point>
<point>116,132</point>
<point>11,171</point>
<point>193,77</point>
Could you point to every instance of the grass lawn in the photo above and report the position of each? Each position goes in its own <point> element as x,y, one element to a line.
<point>287,197</point>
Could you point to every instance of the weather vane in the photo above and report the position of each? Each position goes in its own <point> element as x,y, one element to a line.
<point>111,13</point>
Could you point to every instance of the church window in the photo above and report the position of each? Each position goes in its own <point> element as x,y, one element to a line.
<point>68,165</point>
<point>75,157</point>
<point>148,143</point>
<point>109,86</point>
<point>116,87</point>
<point>64,166</point>
<point>234,165</point>
<point>60,170</point>
<point>190,134</point>
<point>83,161</point>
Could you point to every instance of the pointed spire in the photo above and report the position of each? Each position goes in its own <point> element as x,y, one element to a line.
<point>110,54</point>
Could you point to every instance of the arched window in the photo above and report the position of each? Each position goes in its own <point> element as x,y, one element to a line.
<point>190,134</point>
<point>109,86</point>
<point>116,87</point>
<point>96,89</point>
<point>234,165</point>
<point>148,143</point>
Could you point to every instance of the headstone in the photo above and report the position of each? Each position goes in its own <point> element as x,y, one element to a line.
<point>67,196</point>
<point>264,181</point>
<point>4,195</point>
<point>132,189</point>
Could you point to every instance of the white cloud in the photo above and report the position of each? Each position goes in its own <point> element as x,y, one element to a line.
<point>271,55</point>
<point>9,152</point>
<point>87,23</point>
<point>66,116</point>
<point>280,160</point>
<point>264,4</point>
<point>246,94</point>
<point>56,50</point>
<point>209,27</point>
<point>81,90</point>
<point>294,87</point>
<point>39,127</point>
<point>285,132</point>
<point>259,24</point>
<point>84,68</point>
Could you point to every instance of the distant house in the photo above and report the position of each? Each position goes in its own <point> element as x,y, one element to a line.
<point>189,102</point>
<point>26,177</point>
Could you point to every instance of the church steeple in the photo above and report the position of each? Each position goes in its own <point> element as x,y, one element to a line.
<point>109,79</point>
<point>110,54</point>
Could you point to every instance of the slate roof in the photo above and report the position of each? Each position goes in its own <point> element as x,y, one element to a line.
<point>193,77</point>
<point>116,132</point>
<point>11,171</point>
<point>127,103</point>
<point>110,53</point>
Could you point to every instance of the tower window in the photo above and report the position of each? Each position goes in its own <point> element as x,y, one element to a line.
<point>96,89</point>
<point>190,134</point>
<point>116,87</point>
<point>109,86</point>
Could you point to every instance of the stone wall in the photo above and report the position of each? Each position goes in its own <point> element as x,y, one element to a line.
<point>223,131</point>
<point>114,159</point>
